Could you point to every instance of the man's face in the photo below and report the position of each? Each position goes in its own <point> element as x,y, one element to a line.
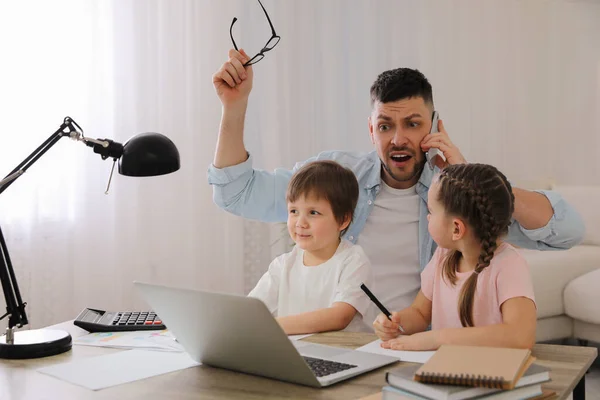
<point>397,129</point>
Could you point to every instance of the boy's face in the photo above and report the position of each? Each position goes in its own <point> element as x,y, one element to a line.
<point>312,225</point>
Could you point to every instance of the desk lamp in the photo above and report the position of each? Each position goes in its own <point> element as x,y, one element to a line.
<point>146,154</point>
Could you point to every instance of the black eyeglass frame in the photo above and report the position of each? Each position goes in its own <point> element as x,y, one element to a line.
<point>267,47</point>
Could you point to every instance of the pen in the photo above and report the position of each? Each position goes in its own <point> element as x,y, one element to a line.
<point>378,304</point>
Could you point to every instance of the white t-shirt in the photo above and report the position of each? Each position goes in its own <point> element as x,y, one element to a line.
<point>391,241</point>
<point>289,287</point>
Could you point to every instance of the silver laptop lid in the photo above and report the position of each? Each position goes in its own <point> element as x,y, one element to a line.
<point>228,331</point>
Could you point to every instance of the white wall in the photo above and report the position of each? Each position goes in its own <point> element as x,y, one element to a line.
<point>517,84</point>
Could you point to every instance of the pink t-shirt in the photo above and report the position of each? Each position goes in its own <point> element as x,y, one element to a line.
<point>506,277</point>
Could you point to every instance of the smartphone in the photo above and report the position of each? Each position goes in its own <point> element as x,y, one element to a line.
<point>432,152</point>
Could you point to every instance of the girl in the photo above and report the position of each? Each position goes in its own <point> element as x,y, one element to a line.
<point>476,289</point>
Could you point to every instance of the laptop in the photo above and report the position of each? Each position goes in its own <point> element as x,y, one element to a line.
<point>240,334</point>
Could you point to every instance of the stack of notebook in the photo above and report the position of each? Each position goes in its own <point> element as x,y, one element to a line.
<point>468,372</point>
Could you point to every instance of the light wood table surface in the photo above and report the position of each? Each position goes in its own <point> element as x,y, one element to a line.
<point>19,379</point>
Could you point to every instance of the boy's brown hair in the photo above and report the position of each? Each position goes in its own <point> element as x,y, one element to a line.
<point>330,181</point>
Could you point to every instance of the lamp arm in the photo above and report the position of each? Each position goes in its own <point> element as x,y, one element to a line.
<point>67,128</point>
<point>14,304</point>
<point>15,308</point>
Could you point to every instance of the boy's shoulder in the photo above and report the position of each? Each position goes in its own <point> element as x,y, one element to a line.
<point>346,246</point>
<point>286,258</point>
<point>348,250</point>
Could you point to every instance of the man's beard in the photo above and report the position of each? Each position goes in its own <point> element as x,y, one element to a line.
<point>416,172</point>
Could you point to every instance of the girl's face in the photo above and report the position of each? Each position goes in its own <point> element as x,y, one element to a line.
<point>440,224</point>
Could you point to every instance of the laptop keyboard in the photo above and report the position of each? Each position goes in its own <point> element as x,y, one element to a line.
<point>325,367</point>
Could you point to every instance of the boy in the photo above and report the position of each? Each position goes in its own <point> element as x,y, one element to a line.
<point>316,286</point>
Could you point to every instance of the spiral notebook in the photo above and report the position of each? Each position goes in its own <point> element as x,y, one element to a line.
<point>402,378</point>
<point>491,367</point>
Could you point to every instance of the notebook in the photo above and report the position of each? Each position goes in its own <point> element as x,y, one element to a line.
<point>402,378</point>
<point>491,367</point>
<point>531,392</point>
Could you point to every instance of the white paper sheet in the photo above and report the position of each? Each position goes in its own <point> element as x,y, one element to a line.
<point>151,340</point>
<point>409,356</point>
<point>117,368</point>
<point>298,337</point>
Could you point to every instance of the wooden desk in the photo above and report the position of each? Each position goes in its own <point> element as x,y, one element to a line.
<point>19,379</point>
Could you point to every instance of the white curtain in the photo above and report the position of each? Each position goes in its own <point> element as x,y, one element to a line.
<point>517,84</point>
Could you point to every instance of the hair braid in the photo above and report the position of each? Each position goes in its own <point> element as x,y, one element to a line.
<point>482,195</point>
<point>489,244</point>
<point>453,257</point>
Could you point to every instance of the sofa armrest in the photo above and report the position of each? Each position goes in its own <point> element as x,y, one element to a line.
<point>551,271</point>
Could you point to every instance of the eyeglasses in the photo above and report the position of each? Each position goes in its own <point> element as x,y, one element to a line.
<point>271,43</point>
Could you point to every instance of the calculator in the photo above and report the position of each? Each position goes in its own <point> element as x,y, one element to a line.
<point>93,320</point>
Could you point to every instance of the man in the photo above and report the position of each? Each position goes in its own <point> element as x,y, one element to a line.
<point>390,220</point>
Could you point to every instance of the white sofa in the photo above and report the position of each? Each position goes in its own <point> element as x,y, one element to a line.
<point>567,283</point>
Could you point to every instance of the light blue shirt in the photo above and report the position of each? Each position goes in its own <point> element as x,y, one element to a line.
<point>260,195</point>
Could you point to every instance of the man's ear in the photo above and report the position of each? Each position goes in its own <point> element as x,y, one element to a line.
<point>459,229</point>
<point>371,130</point>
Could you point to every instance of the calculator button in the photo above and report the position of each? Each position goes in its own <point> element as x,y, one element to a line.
<point>157,322</point>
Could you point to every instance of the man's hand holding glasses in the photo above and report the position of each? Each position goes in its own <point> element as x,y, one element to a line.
<point>233,81</point>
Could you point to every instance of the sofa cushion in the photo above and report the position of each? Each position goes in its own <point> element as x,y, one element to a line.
<point>582,297</point>
<point>551,271</point>
<point>585,200</point>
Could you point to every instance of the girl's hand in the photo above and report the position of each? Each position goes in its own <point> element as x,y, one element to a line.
<point>418,341</point>
<point>386,329</point>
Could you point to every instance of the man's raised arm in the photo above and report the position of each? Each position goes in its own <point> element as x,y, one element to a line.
<point>233,83</point>
<point>237,186</point>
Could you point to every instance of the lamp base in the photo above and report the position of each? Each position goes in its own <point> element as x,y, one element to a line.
<point>35,344</point>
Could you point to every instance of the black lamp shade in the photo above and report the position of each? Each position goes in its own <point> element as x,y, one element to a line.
<point>149,154</point>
